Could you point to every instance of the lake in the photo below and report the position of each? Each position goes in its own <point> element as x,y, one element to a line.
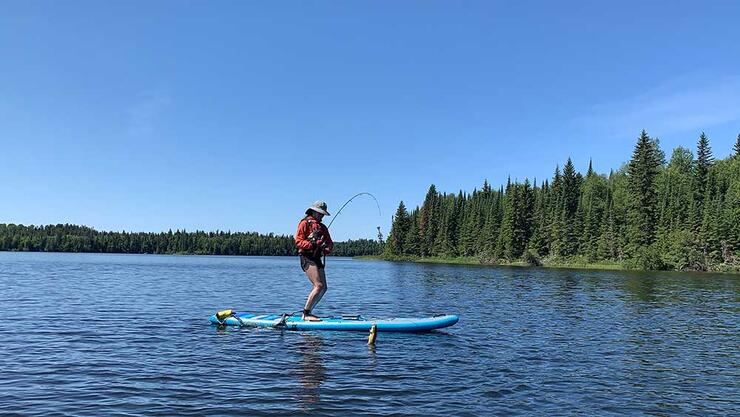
<point>98,334</point>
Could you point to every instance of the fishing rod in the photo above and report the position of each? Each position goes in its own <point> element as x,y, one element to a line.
<point>348,201</point>
<point>345,204</point>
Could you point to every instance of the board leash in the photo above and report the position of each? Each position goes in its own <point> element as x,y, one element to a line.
<point>284,317</point>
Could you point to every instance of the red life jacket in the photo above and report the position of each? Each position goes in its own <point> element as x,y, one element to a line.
<point>309,232</point>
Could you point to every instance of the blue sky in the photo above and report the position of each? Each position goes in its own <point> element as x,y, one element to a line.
<point>150,115</point>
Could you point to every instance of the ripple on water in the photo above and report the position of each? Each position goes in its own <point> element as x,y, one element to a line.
<point>118,334</point>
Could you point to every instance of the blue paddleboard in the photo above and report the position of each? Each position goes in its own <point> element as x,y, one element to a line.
<point>345,323</point>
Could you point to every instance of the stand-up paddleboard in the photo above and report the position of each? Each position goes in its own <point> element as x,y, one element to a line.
<point>345,323</point>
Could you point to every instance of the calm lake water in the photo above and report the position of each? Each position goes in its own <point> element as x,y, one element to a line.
<point>91,334</point>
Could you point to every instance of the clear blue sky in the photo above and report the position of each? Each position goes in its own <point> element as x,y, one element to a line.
<point>150,115</point>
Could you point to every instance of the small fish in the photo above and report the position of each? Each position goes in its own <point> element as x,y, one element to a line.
<point>373,334</point>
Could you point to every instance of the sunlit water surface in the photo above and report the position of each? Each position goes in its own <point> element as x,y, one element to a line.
<point>91,334</point>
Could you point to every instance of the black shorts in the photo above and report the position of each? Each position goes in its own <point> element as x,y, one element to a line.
<point>307,261</point>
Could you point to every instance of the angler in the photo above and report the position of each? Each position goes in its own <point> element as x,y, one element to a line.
<point>313,242</point>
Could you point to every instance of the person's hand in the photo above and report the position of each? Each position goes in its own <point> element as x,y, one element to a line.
<point>320,243</point>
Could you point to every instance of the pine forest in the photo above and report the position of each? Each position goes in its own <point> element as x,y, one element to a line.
<point>654,213</point>
<point>72,238</point>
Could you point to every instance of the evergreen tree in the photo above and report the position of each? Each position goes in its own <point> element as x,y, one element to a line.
<point>505,247</point>
<point>569,230</point>
<point>592,208</point>
<point>675,190</point>
<point>468,236</point>
<point>642,172</point>
<point>540,242</point>
<point>491,226</point>
<point>72,238</point>
<point>485,198</point>
<point>736,148</point>
<point>555,213</point>
<point>607,243</point>
<point>524,218</point>
<point>619,207</point>
<point>711,228</point>
<point>412,245</point>
<point>428,221</point>
<point>399,231</point>
<point>444,244</point>
<point>704,160</point>
<point>676,212</point>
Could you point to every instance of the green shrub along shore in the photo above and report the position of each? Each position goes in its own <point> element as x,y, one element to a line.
<point>547,263</point>
<point>651,214</point>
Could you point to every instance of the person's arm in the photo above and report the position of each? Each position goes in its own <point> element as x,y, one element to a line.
<point>301,236</point>
<point>327,240</point>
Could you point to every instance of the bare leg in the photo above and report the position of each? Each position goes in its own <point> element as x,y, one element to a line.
<point>324,287</point>
<point>319,288</point>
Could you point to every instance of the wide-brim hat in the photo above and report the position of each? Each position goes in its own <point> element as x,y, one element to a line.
<point>319,207</point>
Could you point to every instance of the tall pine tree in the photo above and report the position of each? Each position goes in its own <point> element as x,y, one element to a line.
<point>592,208</point>
<point>505,247</point>
<point>412,245</point>
<point>643,169</point>
<point>428,221</point>
<point>539,242</point>
<point>704,160</point>
<point>570,226</point>
<point>399,231</point>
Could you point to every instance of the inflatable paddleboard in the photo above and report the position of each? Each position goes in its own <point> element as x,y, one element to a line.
<point>346,323</point>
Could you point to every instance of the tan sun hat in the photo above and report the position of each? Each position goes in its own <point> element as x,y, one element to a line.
<point>319,207</point>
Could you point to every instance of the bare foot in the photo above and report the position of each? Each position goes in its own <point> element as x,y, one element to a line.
<point>310,317</point>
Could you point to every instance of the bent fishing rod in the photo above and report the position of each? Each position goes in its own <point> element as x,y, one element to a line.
<point>345,204</point>
<point>348,201</point>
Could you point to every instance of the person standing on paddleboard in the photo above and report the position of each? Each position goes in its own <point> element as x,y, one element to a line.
<point>313,241</point>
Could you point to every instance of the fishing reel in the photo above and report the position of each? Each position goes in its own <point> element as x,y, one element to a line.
<point>316,238</point>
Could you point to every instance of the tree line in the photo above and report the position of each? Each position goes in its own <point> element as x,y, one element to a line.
<point>74,238</point>
<point>652,213</point>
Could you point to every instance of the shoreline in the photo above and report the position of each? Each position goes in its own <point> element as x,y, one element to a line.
<point>465,261</point>
<point>473,261</point>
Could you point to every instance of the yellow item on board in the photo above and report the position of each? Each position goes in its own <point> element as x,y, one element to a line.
<point>224,314</point>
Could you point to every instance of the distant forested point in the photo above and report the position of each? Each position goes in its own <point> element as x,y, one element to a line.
<point>652,214</point>
<point>74,238</point>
